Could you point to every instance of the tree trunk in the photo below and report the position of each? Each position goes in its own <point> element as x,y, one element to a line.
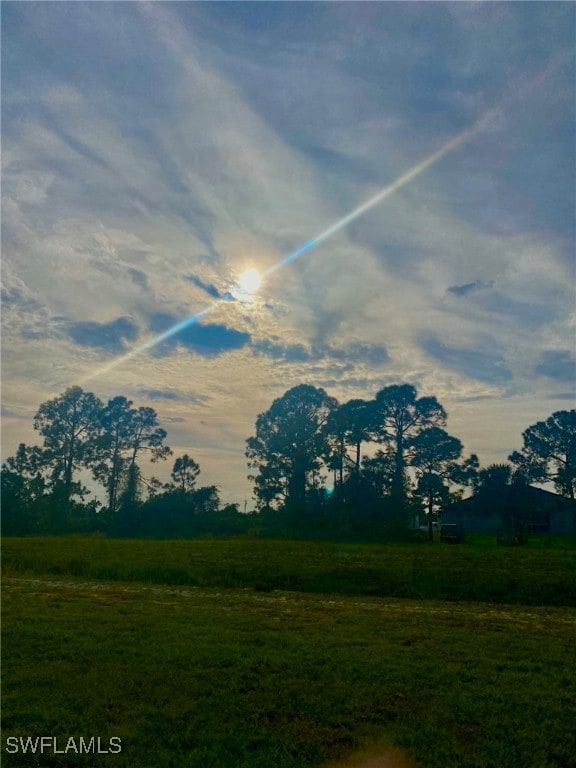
<point>398,481</point>
<point>430,507</point>
<point>68,472</point>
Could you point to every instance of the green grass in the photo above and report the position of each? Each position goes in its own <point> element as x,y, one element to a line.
<point>480,570</point>
<point>214,669</point>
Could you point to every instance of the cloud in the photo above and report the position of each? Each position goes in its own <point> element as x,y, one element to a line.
<point>158,394</point>
<point>463,290</point>
<point>358,352</point>
<point>481,364</point>
<point>208,288</point>
<point>558,365</point>
<point>353,352</point>
<point>109,336</point>
<point>562,396</point>
<point>170,394</point>
<point>207,340</point>
<point>138,277</point>
<point>287,353</point>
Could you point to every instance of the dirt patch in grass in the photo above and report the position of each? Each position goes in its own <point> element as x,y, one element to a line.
<point>375,756</point>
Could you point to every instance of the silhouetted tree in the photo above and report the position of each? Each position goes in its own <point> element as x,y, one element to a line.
<point>289,443</point>
<point>126,432</point>
<point>270,482</point>
<point>336,428</point>
<point>351,423</point>
<point>70,425</point>
<point>205,500</point>
<point>184,474</point>
<point>378,471</point>
<point>493,478</point>
<point>111,463</point>
<point>498,491</point>
<point>23,486</point>
<point>434,453</point>
<point>402,416</point>
<point>147,436</point>
<point>549,452</point>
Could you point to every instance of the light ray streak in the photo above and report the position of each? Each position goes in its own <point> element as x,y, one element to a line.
<point>186,323</point>
<point>402,181</point>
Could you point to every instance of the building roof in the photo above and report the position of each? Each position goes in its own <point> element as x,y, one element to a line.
<point>527,495</point>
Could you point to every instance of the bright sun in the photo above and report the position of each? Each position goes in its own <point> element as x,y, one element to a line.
<point>250,280</point>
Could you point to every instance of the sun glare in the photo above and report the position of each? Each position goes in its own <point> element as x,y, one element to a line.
<point>250,280</point>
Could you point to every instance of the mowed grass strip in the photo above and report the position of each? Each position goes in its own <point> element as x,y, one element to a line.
<point>480,570</point>
<point>207,678</point>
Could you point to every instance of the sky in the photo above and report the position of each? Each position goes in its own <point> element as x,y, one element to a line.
<point>153,151</point>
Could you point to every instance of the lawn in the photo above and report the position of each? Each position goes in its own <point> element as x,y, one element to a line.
<point>236,675</point>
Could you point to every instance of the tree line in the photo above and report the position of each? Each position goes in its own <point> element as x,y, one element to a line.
<point>41,492</point>
<point>415,465</point>
<point>307,461</point>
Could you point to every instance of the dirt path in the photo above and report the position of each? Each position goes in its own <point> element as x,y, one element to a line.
<point>382,756</point>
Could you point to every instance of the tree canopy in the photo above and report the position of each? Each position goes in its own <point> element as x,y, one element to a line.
<point>549,452</point>
<point>70,425</point>
<point>402,415</point>
<point>289,443</point>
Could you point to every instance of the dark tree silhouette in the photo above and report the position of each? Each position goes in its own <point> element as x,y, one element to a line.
<point>23,486</point>
<point>401,417</point>
<point>434,453</point>
<point>126,432</point>
<point>184,474</point>
<point>378,471</point>
<point>28,462</point>
<point>549,452</point>
<point>145,435</point>
<point>351,423</point>
<point>335,430</point>
<point>289,443</point>
<point>498,491</point>
<point>111,465</point>
<point>70,425</point>
<point>206,500</point>
<point>494,477</point>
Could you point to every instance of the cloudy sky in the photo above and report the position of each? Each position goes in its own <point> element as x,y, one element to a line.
<point>153,151</point>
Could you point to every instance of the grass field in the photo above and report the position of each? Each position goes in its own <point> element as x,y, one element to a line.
<point>542,573</point>
<point>237,653</point>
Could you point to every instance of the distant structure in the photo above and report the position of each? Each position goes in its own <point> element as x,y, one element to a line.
<point>526,508</point>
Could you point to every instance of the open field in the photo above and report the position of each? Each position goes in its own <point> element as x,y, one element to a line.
<point>533,575</point>
<point>202,676</point>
